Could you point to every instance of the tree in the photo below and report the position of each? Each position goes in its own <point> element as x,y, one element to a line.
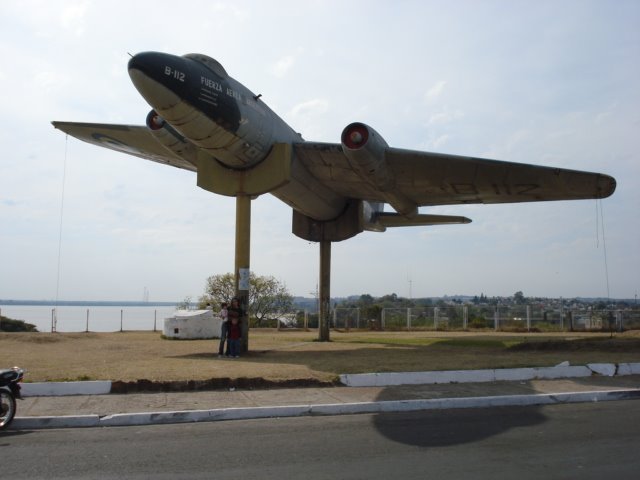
<point>267,296</point>
<point>184,304</point>
<point>365,300</point>
<point>219,289</point>
<point>518,298</point>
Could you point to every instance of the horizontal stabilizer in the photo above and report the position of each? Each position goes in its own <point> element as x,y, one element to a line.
<point>395,220</point>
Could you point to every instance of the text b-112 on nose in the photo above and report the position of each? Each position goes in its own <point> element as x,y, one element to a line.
<point>178,75</point>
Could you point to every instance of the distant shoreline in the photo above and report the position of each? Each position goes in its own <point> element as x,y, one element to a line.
<point>78,303</point>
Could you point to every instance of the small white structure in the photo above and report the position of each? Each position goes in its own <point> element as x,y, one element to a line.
<point>192,324</point>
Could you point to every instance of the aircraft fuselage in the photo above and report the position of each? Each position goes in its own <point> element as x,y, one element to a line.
<point>223,119</point>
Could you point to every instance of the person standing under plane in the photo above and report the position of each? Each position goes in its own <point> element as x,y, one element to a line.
<point>233,312</point>
<point>235,334</point>
<point>224,329</point>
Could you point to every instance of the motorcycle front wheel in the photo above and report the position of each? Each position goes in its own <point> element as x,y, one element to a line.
<point>7,408</point>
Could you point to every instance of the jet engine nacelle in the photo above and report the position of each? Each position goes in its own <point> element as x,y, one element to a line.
<point>170,138</point>
<point>365,150</point>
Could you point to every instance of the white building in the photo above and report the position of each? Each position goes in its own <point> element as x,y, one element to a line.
<point>192,324</point>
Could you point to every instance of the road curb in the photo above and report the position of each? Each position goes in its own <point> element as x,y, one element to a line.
<point>56,389</point>
<point>65,421</point>
<point>226,414</point>
<point>488,375</point>
<point>53,389</point>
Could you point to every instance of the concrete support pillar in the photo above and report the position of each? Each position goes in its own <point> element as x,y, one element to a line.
<point>242,262</point>
<point>325,289</point>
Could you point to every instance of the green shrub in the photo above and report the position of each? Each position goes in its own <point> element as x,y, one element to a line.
<point>478,322</point>
<point>10,325</point>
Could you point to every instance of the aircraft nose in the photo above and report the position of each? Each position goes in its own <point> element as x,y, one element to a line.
<point>159,77</point>
<point>161,67</point>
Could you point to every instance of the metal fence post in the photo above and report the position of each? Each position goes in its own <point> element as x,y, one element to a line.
<point>436,311</point>
<point>528,318</point>
<point>87,328</point>
<point>121,315</point>
<point>619,320</point>
<point>384,311</point>
<point>408,318</point>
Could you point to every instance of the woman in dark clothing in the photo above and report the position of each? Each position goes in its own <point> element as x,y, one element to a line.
<point>234,313</point>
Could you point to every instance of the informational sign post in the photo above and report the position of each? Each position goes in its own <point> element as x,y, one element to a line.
<point>243,279</point>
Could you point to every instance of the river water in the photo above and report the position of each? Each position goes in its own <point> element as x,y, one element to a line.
<point>91,318</point>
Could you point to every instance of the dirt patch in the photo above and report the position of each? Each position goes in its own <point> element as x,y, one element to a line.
<point>256,383</point>
<point>626,345</point>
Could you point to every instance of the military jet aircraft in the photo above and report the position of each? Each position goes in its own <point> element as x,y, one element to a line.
<point>205,121</point>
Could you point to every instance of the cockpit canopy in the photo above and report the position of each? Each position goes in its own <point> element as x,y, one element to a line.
<point>208,62</point>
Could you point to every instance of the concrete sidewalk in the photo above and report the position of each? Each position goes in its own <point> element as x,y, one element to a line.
<point>181,407</point>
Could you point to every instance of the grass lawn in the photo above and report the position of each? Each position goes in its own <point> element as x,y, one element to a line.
<point>291,355</point>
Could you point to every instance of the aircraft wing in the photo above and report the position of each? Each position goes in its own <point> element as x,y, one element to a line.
<point>424,178</point>
<point>440,179</point>
<point>132,139</point>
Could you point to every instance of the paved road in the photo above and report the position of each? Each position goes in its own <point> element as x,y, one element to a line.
<point>595,440</point>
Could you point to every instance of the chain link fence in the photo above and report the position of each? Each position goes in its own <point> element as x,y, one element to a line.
<point>529,318</point>
<point>517,318</point>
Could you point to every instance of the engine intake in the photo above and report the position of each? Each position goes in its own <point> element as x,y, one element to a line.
<point>355,136</point>
<point>155,121</point>
<point>365,150</point>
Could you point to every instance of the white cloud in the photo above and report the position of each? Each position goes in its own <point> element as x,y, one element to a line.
<point>72,17</point>
<point>443,117</point>
<point>230,9</point>
<point>435,91</point>
<point>441,141</point>
<point>310,107</point>
<point>282,66</point>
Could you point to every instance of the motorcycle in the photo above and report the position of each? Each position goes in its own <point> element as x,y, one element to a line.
<point>9,391</point>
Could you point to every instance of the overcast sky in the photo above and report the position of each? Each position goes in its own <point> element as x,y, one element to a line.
<point>546,82</point>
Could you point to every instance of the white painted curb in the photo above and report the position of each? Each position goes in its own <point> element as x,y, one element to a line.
<point>628,369</point>
<point>491,375</point>
<point>54,389</point>
<point>130,419</point>
<point>66,421</point>
<point>605,369</point>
